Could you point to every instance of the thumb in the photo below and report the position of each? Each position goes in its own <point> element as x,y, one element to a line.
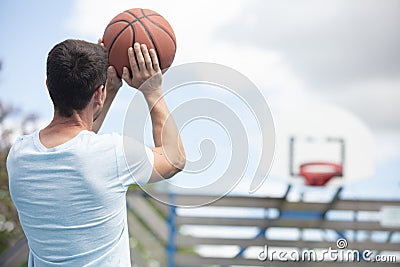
<point>111,71</point>
<point>112,74</point>
<point>113,80</point>
<point>125,74</point>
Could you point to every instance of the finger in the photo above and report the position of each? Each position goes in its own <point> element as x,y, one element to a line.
<point>100,42</point>
<point>125,75</point>
<point>139,56</point>
<point>109,75</point>
<point>147,58</point>
<point>154,59</point>
<point>113,81</point>
<point>111,72</point>
<point>132,60</point>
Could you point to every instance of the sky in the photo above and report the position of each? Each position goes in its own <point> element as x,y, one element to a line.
<point>343,54</point>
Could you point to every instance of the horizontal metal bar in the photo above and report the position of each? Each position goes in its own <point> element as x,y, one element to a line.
<point>279,203</point>
<point>188,241</point>
<point>265,223</point>
<point>146,213</point>
<point>196,260</point>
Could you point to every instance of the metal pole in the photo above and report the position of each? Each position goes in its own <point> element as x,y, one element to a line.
<point>171,234</point>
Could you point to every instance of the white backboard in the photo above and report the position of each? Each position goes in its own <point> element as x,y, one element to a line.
<point>322,133</point>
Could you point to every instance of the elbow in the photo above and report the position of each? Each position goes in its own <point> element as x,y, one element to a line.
<point>178,164</point>
<point>179,161</point>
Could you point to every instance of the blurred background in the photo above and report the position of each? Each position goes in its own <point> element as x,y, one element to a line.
<point>341,53</point>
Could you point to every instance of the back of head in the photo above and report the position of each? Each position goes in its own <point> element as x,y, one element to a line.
<point>75,69</point>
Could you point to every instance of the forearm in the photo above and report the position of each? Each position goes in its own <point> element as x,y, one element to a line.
<point>169,156</point>
<point>107,104</point>
<point>165,131</point>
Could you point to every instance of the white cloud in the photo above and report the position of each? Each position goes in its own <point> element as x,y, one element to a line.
<point>375,100</point>
<point>388,147</point>
<point>285,52</point>
<point>328,42</point>
<point>195,25</point>
<point>345,52</point>
<point>90,17</point>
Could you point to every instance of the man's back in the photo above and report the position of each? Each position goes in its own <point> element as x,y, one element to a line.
<point>70,190</point>
<point>71,199</point>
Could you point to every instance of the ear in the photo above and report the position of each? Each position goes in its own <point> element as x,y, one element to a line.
<point>99,95</point>
<point>47,85</point>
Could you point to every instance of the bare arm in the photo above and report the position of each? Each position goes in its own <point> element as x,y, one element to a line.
<point>169,154</point>
<point>113,84</point>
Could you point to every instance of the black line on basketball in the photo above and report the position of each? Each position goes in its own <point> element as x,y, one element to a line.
<point>134,33</point>
<point>133,43</point>
<point>148,33</point>
<point>160,26</point>
<point>127,21</point>
<point>151,15</point>
<point>120,20</point>
<point>116,37</point>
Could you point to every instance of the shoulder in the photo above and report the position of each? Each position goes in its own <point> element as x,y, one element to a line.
<point>102,139</point>
<point>116,139</point>
<point>23,140</point>
<point>26,137</point>
<point>20,144</point>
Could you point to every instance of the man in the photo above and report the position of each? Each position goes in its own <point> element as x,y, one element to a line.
<point>68,183</point>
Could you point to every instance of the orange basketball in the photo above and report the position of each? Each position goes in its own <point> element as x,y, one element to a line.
<point>143,26</point>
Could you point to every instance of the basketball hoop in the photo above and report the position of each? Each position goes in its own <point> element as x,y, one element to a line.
<point>320,173</point>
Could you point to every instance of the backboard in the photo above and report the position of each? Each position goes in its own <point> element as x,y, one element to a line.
<point>321,138</point>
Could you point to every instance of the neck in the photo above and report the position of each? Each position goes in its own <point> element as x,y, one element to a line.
<point>80,120</point>
<point>62,129</point>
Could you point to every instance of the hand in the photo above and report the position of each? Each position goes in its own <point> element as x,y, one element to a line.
<point>113,82</point>
<point>145,68</point>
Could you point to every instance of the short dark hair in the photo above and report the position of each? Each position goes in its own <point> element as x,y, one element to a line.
<point>75,69</point>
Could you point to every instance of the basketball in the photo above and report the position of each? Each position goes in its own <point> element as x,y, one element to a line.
<point>143,26</point>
